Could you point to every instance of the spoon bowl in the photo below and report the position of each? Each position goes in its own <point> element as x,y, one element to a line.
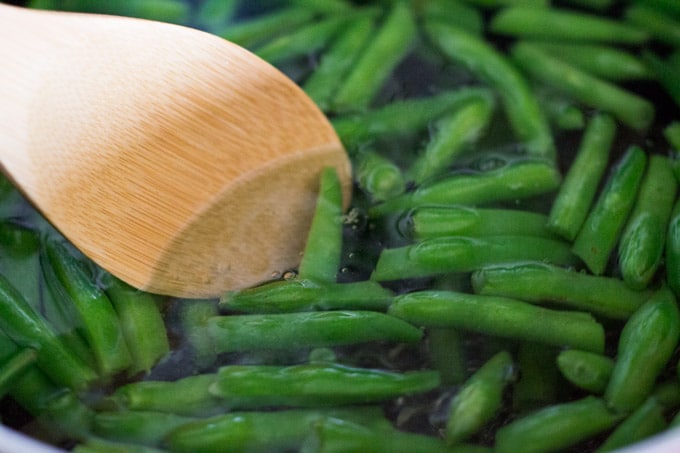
<point>179,162</point>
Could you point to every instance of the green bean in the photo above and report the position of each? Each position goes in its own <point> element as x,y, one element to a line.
<point>631,109</point>
<point>378,176</point>
<point>451,136</point>
<point>586,370</point>
<point>647,342</point>
<point>542,283</point>
<point>501,3</point>
<point>141,322</point>
<point>564,114</point>
<point>672,134</point>
<point>434,221</point>
<point>645,421</point>
<point>302,41</point>
<point>574,198</point>
<point>556,427</point>
<point>315,385</point>
<point>321,256</point>
<point>521,107</point>
<point>337,60</point>
<point>563,24</point>
<point>136,427</point>
<point>666,72</point>
<point>28,329</point>
<point>276,431</point>
<point>447,354</point>
<point>405,117</point>
<point>500,316</point>
<point>602,61</point>
<point>306,330</point>
<point>334,435</point>
<point>512,181</point>
<point>453,12</point>
<point>601,230</point>
<point>643,239</point>
<point>599,5</point>
<point>479,399</point>
<point>538,383</point>
<point>670,7</point>
<point>100,324</point>
<point>672,252</point>
<point>251,32</point>
<point>188,396</point>
<point>14,367</point>
<point>657,23</point>
<point>307,295</point>
<point>373,67</point>
<point>441,255</point>
<point>325,6</point>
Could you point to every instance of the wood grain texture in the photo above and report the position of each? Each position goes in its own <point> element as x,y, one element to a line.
<point>177,161</point>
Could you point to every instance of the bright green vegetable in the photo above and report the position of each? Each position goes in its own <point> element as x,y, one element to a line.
<point>646,344</point>
<point>520,104</point>
<point>136,427</point>
<point>479,399</point>
<point>586,370</point>
<point>601,230</point>
<point>629,108</point>
<point>543,283</point>
<point>14,367</point>
<point>648,419</point>
<point>643,239</point>
<point>447,254</point>
<point>556,427</point>
<point>307,295</point>
<point>315,385</point>
<point>500,316</point>
<point>672,252</point>
<point>448,355</point>
<point>574,198</point>
<point>378,176</point>
<point>658,24</point>
<point>254,31</point>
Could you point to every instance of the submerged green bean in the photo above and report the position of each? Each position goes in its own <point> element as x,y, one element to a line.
<point>500,316</point>
<point>586,370</point>
<point>645,421</point>
<point>378,176</point>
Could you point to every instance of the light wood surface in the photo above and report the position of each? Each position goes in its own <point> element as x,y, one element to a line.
<point>179,162</point>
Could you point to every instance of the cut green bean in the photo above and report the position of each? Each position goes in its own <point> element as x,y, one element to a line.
<point>631,109</point>
<point>586,370</point>
<point>100,324</point>
<point>542,283</point>
<point>465,254</point>
<point>325,6</point>
<point>606,62</point>
<point>307,295</point>
<point>648,419</point>
<point>252,431</point>
<point>643,240</point>
<point>141,322</point>
<point>538,383</point>
<point>666,72</point>
<point>391,44</point>
<point>556,427</point>
<point>378,176</point>
<point>646,344</point>
<point>672,134</point>
<point>13,368</point>
<point>452,135</point>
<point>434,221</point>
<point>302,41</point>
<point>405,117</point>
<point>502,3</point>
<point>136,427</point>
<point>500,316</point>
<point>97,445</point>
<point>188,396</point>
<point>605,222</point>
<point>658,24</point>
<point>479,399</point>
<point>214,13</point>
<point>321,256</point>
<point>447,353</point>
<point>315,385</point>
<point>511,181</point>
<point>249,33</point>
<point>521,107</point>
<point>337,60</point>
<point>574,198</point>
<point>563,24</point>
<point>28,329</point>
<point>453,12</point>
<point>306,330</point>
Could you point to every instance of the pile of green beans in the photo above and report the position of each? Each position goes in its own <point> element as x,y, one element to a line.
<point>505,279</point>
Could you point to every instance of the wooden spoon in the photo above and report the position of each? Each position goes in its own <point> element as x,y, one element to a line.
<point>179,162</point>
